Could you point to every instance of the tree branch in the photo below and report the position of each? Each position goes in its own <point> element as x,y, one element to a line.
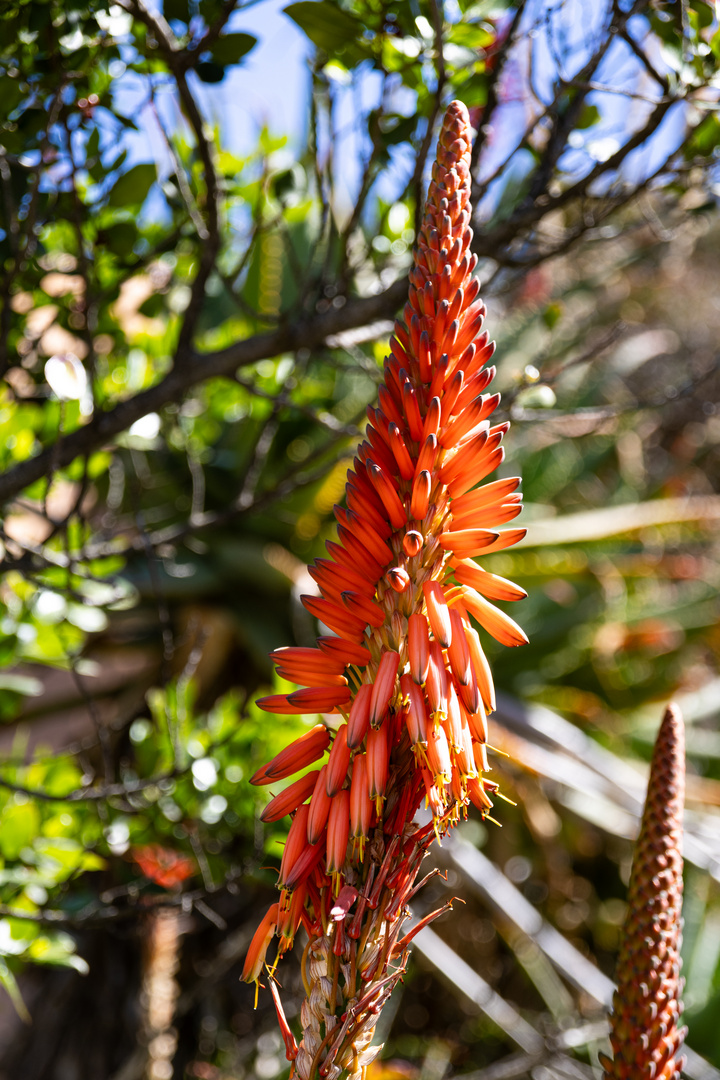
<point>196,368</point>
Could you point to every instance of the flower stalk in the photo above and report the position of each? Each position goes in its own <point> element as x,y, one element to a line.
<point>406,672</point>
<point>644,1029</point>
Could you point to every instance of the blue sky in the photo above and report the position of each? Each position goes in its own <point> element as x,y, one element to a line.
<point>270,88</point>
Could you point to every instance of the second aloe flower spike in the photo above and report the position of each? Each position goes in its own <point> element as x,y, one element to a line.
<point>645,1032</point>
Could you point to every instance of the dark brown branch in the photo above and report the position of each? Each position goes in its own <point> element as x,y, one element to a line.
<point>210,36</point>
<point>644,59</point>
<point>499,57</point>
<point>527,215</point>
<point>210,246</point>
<point>416,181</point>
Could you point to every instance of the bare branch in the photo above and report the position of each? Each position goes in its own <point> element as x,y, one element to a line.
<point>198,368</point>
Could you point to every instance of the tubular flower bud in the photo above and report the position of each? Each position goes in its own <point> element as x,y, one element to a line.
<point>458,651</point>
<point>338,832</point>
<point>427,455</point>
<point>319,808</point>
<point>416,714</point>
<point>289,799</point>
<point>377,763</point>
<point>488,585</point>
<point>338,762</point>
<point>438,612</point>
<point>301,702</point>
<point>343,622</point>
<point>359,722</point>
<point>296,842</point>
<point>438,755</point>
<point>259,945</point>
<point>365,609</point>
<point>496,622</point>
<point>398,578</point>
<point>412,543</point>
<point>644,1027</point>
<point>420,499</point>
<point>349,653</point>
<point>418,647</point>
<point>437,681</point>
<point>407,672</point>
<point>308,748</point>
<point>361,807</point>
<point>384,686</point>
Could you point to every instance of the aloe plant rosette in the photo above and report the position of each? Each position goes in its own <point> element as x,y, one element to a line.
<point>406,672</point>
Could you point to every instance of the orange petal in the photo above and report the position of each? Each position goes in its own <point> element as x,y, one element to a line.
<point>489,585</point>
<point>479,498</point>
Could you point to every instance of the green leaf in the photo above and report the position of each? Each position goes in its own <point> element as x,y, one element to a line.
<point>153,306</point>
<point>9,981</point>
<point>93,144</point>
<point>705,137</point>
<point>210,72</point>
<point>551,314</point>
<point>61,857</point>
<point>232,47</point>
<point>120,238</point>
<point>327,25</point>
<point>19,826</point>
<point>131,189</point>
<point>701,15</point>
<point>177,9</point>
<point>57,949</point>
<point>21,684</point>
<point>589,116</point>
<point>472,35</point>
<point>715,44</point>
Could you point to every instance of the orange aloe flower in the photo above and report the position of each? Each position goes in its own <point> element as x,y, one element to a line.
<point>406,674</point>
<point>644,1027</point>
<point>162,865</point>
